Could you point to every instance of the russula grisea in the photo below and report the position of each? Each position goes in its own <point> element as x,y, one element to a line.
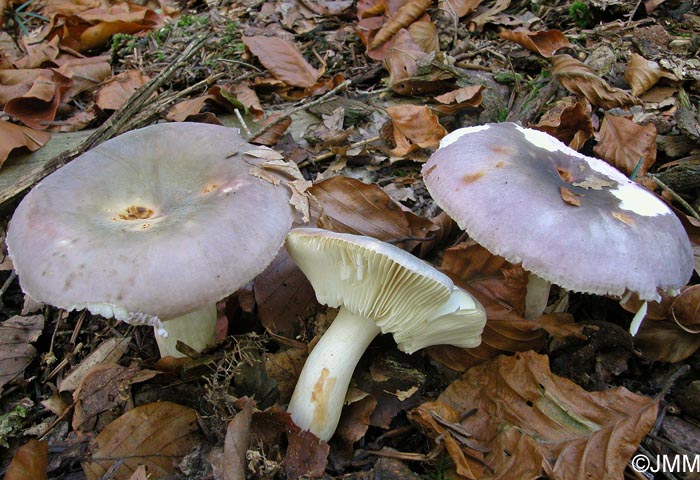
<point>379,288</point>
<point>569,219</point>
<point>155,224</point>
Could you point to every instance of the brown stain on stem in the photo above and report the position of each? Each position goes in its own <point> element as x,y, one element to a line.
<point>320,395</point>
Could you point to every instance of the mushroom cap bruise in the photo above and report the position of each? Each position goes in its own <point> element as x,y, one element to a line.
<point>154,223</point>
<point>571,219</point>
<point>402,294</point>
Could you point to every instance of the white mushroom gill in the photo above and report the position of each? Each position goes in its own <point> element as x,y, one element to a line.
<point>378,288</point>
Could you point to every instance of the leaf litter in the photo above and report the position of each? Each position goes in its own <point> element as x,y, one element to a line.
<point>350,98</point>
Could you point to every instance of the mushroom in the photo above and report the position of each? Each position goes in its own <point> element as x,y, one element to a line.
<point>569,219</point>
<point>378,288</point>
<point>156,224</point>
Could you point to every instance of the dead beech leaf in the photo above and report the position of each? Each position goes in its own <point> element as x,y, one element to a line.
<point>283,295</point>
<point>569,120</point>
<point>139,474</point>
<point>105,388</point>
<point>84,74</point>
<point>39,54</point>
<point>665,341</point>
<point>623,144</point>
<point>30,462</point>
<point>685,310</point>
<point>642,74</point>
<point>535,423</point>
<point>488,16</point>
<point>115,92</point>
<point>462,7</point>
<point>272,135</point>
<point>401,60</point>
<point>16,136</point>
<point>16,352</point>
<point>284,367</point>
<point>283,60</point>
<point>579,78</point>
<point>460,99</point>
<point>347,205</point>
<point>109,351</point>
<point>156,435</point>
<point>39,104</point>
<point>416,126</point>
<point>544,42</point>
<point>500,287</point>
<point>236,443</point>
<point>404,16</point>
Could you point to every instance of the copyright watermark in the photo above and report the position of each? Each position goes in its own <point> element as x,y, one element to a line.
<point>666,463</point>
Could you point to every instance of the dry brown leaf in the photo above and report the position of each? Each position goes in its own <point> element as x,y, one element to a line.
<point>115,93</point>
<point>272,135</point>
<point>283,294</point>
<point>105,388</point>
<point>425,34</point>
<point>93,28</point>
<point>460,99</point>
<point>284,367</point>
<point>109,351</point>
<point>500,287</point>
<point>685,310</point>
<point>37,107</point>
<point>401,59</point>
<point>347,205</point>
<point>569,120</point>
<point>283,60</point>
<point>461,7</point>
<point>39,54</point>
<point>156,435</point>
<point>489,15</point>
<point>16,136</point>
<point>84,74</point>
<point>544,42</point>
<point>30,462</point>
<point>579,78</point>
<point>642,74</point>
<point>404,16</point>
<point>140,473</point>
<point>16,352</point>
<point>536,423</point>
<point>623,144</point>
<point>665,341</point>
<point>236,442</point>
<point>414,126</point>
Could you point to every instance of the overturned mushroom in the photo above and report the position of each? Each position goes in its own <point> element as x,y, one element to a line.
<point>379,289</point>
<point>156,224</point>
<point>569,219</point>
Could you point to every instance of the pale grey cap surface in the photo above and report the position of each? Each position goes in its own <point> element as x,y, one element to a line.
<point>514,190</point>
<point>158,221</point>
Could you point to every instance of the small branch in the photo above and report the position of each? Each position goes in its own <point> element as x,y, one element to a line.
<point>676,197</point>
<point>304,106</point>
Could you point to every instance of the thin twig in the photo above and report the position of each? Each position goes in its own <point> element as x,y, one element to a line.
<point>304,106</point>
<point>327,155</point>
<point>241,120</point>
<point>676,197</point>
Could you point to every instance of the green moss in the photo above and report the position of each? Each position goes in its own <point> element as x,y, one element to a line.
<point>581,15</point>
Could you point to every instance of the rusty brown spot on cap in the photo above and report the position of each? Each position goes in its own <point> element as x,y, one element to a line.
<point>501,149</point>
<point>430,170</point>
<point>564,174</point>
<point>210,188</point>
<point>135,212</point>
<point>472,177</point>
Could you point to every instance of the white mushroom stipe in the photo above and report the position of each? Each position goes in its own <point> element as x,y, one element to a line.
<point>197,329</point>
<point>536,296</point>
<point>379,288</point>
<point>638,319</point>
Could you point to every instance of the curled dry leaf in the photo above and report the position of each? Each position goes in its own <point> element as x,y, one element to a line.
<point>489,15</point>
<point>84,74</point>
<point>401,60</point>
<point>544,42</point>
<point>404,16</point>
<point>30,462</point>
<point>460,99</point>
<point>500,287</point>
<point>579,78</point>
<point>16,136</point>
<point>272,134</point>
<point>642,74</point>
<point>665,341</point>
<point>685,309</point>
<point>109,351</point>
<point>623,144</point>
<point>236,442</point>
<point>115,92</point>
<point>156,435</point>
<point>414,126</point>
<point>16,352</point>
<point>535,423</point>
<point>569,120</point>
<point>461,8</point>
<point>283,60</point>
<point>37,107</point>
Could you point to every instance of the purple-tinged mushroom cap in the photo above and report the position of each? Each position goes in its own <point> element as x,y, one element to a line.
<point>573,220</point>
<point>153,224</point>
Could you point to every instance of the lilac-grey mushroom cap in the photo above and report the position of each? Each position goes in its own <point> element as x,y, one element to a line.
<point>573,220</point>
<point>156,222</point>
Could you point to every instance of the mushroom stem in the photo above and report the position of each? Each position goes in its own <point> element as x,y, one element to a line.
<point>197,329</point>
<point>320,392</point>
<point>537,296</point>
